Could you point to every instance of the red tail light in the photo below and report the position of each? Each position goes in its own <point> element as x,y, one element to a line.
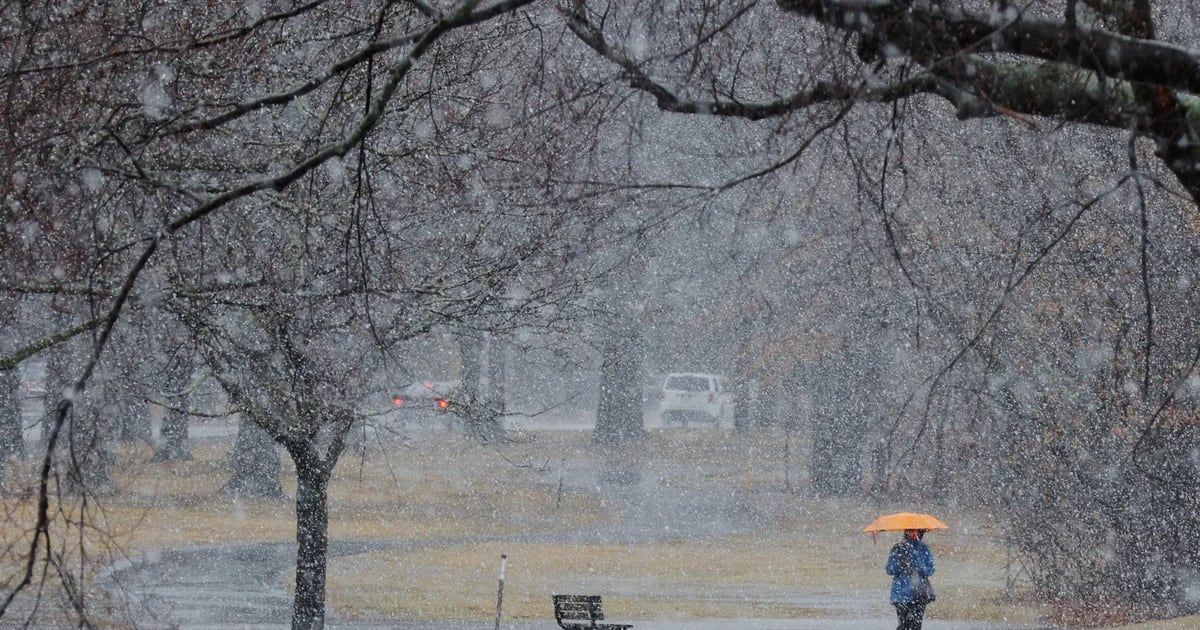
<point>397,401</point>
<point>712,397</point>
<point>442,403</point>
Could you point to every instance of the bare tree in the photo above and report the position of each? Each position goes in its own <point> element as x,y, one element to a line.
<point>304,186</point>
<point>301,195</point>
<point>1022,166</point>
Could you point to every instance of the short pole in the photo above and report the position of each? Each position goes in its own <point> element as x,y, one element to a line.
<point>500,589</point>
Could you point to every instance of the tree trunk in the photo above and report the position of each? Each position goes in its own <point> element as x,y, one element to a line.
<point>497,373</point>
<point>745,415</point>
<point>58,379</point>
<point>836,470</point>
<point>135,424</point>
<point>481,415</point>
<point>256,465</point>
<point>91,437</point>
<point>173,442</point>
<point>746,412</point>
<point>835,467</point>
<point>12,441</point>
<point>173,436</point>
<point>619,411</point>
<point>312,539</point>
<point>771,392</point>
<point>1156,563</point>
<point>12,437</point>
<point>470,348</point>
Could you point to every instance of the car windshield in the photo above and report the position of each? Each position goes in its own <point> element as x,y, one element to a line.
<point>687,383</point>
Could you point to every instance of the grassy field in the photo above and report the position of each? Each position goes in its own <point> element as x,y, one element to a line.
<point>810,561</point>
<point>810,558</point>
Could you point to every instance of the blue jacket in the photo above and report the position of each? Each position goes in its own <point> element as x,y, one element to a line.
<point>906,556</point>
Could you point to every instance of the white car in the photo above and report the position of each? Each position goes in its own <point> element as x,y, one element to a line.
<point>695,397</point>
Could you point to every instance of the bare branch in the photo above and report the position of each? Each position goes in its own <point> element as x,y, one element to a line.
<point>930,32</point>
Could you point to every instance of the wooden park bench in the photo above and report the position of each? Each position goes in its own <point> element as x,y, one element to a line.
<point>581,612</point>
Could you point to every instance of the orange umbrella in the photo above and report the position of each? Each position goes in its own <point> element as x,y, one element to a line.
<point>902,521</point>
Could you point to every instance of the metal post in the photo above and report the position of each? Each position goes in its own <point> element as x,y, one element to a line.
<point>500,589</point>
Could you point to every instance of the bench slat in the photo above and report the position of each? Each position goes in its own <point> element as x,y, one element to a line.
<point>589,608</point>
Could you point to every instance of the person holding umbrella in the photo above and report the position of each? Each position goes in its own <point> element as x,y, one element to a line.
<point>910,563</point>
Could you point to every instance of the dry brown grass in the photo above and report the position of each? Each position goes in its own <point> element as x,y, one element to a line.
<point>435,490</point>
<point>810,566</point>
<point>811,561</point>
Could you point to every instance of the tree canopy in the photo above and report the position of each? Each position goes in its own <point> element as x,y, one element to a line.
<point>990,207</point>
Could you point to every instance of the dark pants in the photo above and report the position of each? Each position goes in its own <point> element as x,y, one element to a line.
<point>910,615</point>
